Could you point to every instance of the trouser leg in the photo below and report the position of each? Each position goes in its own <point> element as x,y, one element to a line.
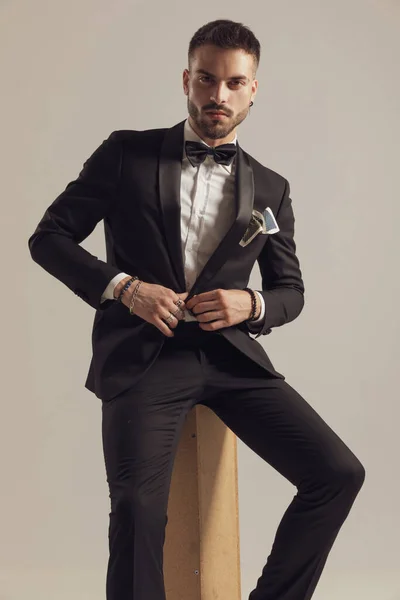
<point>141,430</point>
<point>277,423</point>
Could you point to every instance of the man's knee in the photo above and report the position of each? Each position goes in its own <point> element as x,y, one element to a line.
<point>349,475</point>
<point>139,506</point>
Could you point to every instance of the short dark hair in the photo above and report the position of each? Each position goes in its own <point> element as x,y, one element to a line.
<point>226,34</point>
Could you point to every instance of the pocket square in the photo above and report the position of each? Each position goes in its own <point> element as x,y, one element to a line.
<point>271,226</point>
<point>259,223</point>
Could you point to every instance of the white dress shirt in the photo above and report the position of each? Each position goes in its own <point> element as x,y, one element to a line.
<point>207,213</point>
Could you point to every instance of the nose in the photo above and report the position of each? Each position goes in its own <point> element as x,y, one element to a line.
<point>219,96</point>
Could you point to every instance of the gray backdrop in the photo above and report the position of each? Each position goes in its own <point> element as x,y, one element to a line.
<point>326,116</point>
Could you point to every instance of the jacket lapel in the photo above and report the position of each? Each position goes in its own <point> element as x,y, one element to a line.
<point>169,185</point>
<point>169,178</point>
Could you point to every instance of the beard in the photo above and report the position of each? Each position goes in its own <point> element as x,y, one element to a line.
<point>217,129</point>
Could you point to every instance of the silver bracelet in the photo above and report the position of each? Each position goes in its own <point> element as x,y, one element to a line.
<point>132,302</point>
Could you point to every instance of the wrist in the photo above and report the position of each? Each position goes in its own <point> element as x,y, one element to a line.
<point>258,305</point>
<point>120,285</point>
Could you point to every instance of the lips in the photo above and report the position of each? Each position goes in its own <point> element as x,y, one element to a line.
<point>216,114</point>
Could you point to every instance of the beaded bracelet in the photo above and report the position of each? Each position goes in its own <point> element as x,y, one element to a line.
<point>127,284</point>
<point>253,304</point>
<point>132,302</point>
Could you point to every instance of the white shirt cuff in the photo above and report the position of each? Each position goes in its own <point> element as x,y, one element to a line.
<point>108,293</point>
<point>262,313</point>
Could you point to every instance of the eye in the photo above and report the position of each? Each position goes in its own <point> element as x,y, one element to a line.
<point>234,81</point>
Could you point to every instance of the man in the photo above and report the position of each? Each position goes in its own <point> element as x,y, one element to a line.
<point>188,213</point>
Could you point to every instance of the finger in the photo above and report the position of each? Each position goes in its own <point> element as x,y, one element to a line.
<point>171,320</point>
<point>183,295</point>
<point>206,307</point>
<point>192,302</point>
<point>179,301</point>
<point>204,297</point>
<point>178,309</point>
<point>209,316</point>
<point>163,327</point>
<point>178,313</point>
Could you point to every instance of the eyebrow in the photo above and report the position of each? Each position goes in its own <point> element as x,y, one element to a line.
<point>211,75</point>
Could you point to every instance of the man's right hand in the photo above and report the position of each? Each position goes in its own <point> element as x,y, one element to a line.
<point>154,302</point>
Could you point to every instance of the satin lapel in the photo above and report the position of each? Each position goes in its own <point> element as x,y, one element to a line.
<point>244,199</point>
<point>169,177</point>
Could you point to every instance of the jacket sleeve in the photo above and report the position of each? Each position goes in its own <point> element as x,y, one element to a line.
<point>70,219</point>
<point>282,284</point>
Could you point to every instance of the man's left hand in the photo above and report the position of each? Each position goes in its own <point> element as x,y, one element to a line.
<point>220,308</point>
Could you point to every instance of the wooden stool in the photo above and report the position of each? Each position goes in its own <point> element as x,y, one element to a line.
<point>202,551</point>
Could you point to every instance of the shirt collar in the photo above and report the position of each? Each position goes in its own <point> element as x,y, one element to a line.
<point>191,135</point>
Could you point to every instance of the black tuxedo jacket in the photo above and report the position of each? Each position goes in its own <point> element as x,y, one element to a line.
<point>132,182</point>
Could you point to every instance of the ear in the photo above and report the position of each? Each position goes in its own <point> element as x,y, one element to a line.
<point>185,80</point>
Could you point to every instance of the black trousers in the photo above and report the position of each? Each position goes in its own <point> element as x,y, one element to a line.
<point>141,429</point>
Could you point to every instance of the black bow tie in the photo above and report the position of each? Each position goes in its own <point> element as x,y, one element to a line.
<point>197,152</point>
